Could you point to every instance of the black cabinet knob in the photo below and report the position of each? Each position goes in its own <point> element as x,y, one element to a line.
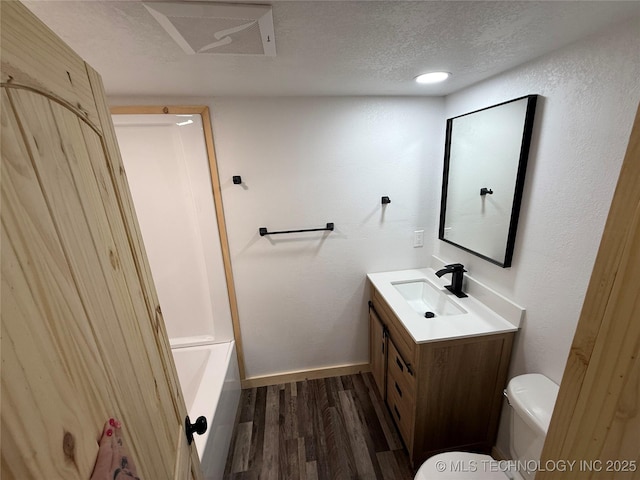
<point>199,427</point>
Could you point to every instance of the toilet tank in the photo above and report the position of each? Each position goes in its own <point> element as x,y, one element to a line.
<point>532,397</point>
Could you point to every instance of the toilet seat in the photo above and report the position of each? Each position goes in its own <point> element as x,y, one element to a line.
<point>460,466</point>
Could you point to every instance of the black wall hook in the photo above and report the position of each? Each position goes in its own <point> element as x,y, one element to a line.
<point>486,191</point>
<point>385,200</point>
<point>199,427</point>
<point>237,179</point>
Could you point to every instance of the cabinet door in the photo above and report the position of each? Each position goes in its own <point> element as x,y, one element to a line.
<point>82,333</point>
<point>378,350</point>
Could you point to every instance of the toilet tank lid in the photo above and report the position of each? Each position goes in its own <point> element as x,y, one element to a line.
<point>533,397</point>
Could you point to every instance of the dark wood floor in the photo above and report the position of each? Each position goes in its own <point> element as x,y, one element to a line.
<point>332,428</point>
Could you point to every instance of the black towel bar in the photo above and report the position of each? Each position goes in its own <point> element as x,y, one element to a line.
<point>263,230</point>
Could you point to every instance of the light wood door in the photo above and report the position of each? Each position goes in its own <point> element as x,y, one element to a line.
<point>597,415</point>
<point>82,332</point>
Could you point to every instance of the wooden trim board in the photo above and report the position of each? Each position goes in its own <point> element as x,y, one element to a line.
<point>301,375</point>
<point>203,111</point>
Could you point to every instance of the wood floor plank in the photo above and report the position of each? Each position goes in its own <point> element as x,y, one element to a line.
<point>336,443</point>
<point>318,403</point>
<point>332,386</point>
<point>312,471</point>
<point>302,463</point>
<point>404,466</point>
<point>270,451</point>
<point>367,433</point>
<point>283,453</point>
<point>388,465</point>
<point>302,410</point>
<point>247,405</point>
<point>346,381</point>
<point>290,411</point>
<point>257,434</point>
<point>292,468</point>
<point>386,422</point>
<point>242,448</point>
<point>310,449</point>
<point>370,417</point>
<point>321,429</point>
<point>356,437</point>
<point>339,447</point>
<point>371,428</point>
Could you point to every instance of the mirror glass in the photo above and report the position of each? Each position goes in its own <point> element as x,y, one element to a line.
<point>484,169</point>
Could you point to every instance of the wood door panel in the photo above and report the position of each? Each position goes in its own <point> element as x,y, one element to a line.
<point>47,398</point>
<point>114,200</point>
<point>47,322</point>
<point>465,422</point>
<point>57,147</point>
<point>82,332</point>
<point>118,200</point>
<point>50,65</point>
<point>153,333</point>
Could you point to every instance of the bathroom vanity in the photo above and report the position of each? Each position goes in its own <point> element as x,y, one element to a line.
<point>442,377</point>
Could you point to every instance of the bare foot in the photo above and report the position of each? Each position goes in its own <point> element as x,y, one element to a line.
<point>114,461</point>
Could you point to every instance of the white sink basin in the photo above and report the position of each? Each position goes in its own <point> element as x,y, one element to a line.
<point>411,293</point>
<point>424,297</point>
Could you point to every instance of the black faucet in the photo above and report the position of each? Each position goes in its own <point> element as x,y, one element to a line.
<point>457,270</point>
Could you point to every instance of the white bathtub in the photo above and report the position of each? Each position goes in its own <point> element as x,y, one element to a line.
<point>210,384</point>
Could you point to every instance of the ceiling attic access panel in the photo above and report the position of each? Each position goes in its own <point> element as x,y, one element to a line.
<point>227,29</point>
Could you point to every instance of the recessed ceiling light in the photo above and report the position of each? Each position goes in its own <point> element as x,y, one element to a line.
<point>432,77</point>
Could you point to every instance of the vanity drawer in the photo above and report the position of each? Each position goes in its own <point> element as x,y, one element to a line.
<point>401,408</point>
<point>399,372</point>
<point>403,340</point>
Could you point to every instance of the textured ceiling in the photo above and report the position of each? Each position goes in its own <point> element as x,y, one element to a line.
<point>330,47</point>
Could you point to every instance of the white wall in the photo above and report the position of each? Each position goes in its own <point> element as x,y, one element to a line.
<point>589,95</point>
<point>305,162</point>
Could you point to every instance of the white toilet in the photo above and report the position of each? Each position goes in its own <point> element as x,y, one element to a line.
<point>532,398</point>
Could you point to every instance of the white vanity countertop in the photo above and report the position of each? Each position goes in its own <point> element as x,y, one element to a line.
<point>479,319</point>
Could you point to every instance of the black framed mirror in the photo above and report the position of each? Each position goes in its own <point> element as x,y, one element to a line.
<point>485,162</point>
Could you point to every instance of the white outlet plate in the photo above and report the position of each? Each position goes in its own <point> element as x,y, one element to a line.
<point>418,238</point>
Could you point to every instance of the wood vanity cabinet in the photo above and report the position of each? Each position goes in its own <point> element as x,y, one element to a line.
<point>378,351</point>
<point>444,395</point>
